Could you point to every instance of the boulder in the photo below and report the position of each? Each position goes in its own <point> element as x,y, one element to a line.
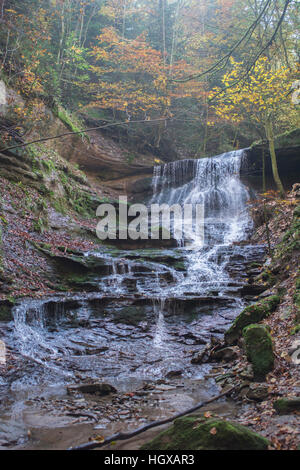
<point>100,389</point>
<point>224,354</point>
<point>257,392</point>
<point>251,314</point>
<point>201,357</point>
<point>198,433</point>
<point>287,405</point>
<point>6,310</point>
<point>259,350</point>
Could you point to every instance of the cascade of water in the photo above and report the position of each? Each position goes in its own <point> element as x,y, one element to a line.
<point>215,183</point>
<point>160,335</point>
<point>192,272</point>
<point>156,178</point>
<point>29,330</point>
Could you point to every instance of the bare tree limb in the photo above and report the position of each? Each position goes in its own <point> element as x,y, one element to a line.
<point>258,55</point>
<point>124,436</point>
<point>223,62</point>
<point>83,131</point>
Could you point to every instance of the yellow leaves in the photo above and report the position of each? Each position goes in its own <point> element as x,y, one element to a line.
<point>261,94</point>
<point>133,76</point>
<point>77,50</point>
<point>99,439</point>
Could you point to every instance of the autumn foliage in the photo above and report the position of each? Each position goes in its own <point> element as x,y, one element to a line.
<point>126,59</point>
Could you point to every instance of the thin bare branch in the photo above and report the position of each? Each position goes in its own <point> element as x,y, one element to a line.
<point>125,436</point>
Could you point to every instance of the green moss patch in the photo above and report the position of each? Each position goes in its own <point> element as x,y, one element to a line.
<point>68,120</point>
<point>194,433</point>
<point>287,405</point>
<point>251,314</point>
<point>6,310</point>
<point>259,350</point>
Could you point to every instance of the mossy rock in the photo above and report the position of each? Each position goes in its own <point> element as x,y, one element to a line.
<point>259,349</point>
<point>268,277</point>
<point>295,329</point>
<point>132,315</point>
<point>85,282</point>
<point>197,433</point>
<point>68,120</point>
<point>251,314</point>
<point>287,405</point>
<point>6,310</point>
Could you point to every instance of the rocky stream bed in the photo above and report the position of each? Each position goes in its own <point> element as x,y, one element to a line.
<point>124,350</point>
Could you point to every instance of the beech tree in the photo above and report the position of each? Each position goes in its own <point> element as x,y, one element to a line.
<point>143,59</point>
<point>262,97</point>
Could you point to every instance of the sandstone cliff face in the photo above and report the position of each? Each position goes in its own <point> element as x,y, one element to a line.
<point>99,155</point>
<point>106,164</point>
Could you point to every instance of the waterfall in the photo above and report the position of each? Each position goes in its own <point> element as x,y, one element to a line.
<point>160,335</point>
<point>188,282</point>
<point>215,183</point>
<point>29,320</point>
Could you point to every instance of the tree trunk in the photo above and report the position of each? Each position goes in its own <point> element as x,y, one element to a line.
<point>265,209</point>
<point>162,9</point>
<point>270,137</point>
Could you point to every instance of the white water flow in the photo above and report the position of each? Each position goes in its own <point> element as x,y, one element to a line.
<point>215,183</point>
<point>31,335</point>
<point>160,335</point>
<point>137,315</point>
<point>195,275</point>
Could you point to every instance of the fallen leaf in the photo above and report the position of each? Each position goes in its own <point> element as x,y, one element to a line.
<point>98,439</point>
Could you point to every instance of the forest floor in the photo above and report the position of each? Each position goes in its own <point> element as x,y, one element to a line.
<point>283,431</point>
<point>28,273</point>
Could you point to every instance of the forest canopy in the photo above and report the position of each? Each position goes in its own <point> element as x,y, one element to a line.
<point>126,60</point>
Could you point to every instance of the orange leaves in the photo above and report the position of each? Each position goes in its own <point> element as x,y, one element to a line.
<point>133,77</point>
<point>137,79</point>
<point>131,56</point>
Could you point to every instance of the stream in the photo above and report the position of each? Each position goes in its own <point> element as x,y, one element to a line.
<point>151,311</point>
